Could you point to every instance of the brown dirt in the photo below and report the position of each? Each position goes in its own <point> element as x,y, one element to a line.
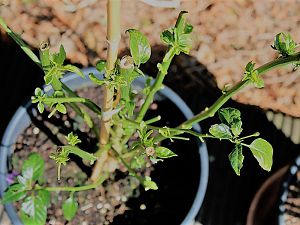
<point>228,34</point>
<point>103,203</point>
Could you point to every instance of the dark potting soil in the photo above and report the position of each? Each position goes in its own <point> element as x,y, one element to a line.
<point>116,200</point>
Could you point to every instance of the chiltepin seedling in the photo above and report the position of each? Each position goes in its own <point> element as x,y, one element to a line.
<point>119,120</point>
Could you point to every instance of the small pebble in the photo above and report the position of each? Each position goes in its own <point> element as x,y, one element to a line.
<point>86,207</point>
<point>99,206</point>
<point>36,130</point>
<point>107,206</point>
<point>124,198</point>
<point>142,206</point>
<point>103,211</point>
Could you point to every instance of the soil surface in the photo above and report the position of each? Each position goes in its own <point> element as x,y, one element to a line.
<point>227,35</point>
<point>118,195</point>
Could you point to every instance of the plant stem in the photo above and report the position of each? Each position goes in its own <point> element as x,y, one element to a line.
<point>75,189</point>
<point>130,170</point>
<point>113,40</point>
<point>210,112</point>
<point>20,42</point>
<point>158,82</point>
<point>256,134</point>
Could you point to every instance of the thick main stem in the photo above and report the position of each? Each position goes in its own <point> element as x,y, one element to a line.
<point>113,40</point>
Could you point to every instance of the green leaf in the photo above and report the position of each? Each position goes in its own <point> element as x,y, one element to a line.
<point>70,207</point>
<point>38,92</point>
<point>236,159</point>
<point>60,57</point>
<point>41,107</point>
<point>14,192</point>
<point>138,162</point>
<point>61,108</point>
<point>284,44</point>
<point>33,167</point>
<point>228,115</point>
<point>45,197</point>
<point>149,184</point>
<point>221,131</point>
<point>231,117</point>
<point>167,36</point>
<point>87,118</point>
<point>49,76</point>
<point>73,139</point>
<point>236,128</point>
<point>163,152</point>
<point>252,74</point>
<point>74,69</point>
<point>95,80</point>
<point>33,210</point>
<point>257,80</point>
<point>100,65</point>
<point>263,152</point>
<point>139,47</point>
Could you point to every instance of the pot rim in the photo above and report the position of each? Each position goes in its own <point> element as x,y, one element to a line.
<point>21,120</point>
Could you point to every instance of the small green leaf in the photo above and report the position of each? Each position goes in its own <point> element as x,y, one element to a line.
<point>232,118</point>
<point>263,152</point>
<point>61,108</point>
<point>14,192</point>
<point>236,159</point>
<point>70,207</point>
<point>139,47</point>
<point>138,161</point>
<point>38,92</point>
<point>236,128</point>
<point>74,69</point>
<point>167,36</point>
<point>41,107</point>
<point>33,167</point>
<point>100,65</point>
<point>163,152</point>
<point>221,131</point>
<point>284,44</point>
<point>149,184</point>
<point>257,80</point>
<point>73,139</point>
<point>95,80</point>
<point>49,77</point>
<point>61,56</point>
<point>228,115</point>
<point>87,119</point>
<point>252,74</point>
<point>33,211</point>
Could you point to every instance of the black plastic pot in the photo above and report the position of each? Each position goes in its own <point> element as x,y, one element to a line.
<point>21,120</point>
<point>290,178</point>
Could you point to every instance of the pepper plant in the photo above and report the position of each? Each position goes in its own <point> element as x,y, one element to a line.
<point>119,118</point>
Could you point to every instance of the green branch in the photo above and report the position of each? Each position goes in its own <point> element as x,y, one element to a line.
<point>75,189</point>
<point>163,70</point>
<point>210,112</point>
<point>35,59</point>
